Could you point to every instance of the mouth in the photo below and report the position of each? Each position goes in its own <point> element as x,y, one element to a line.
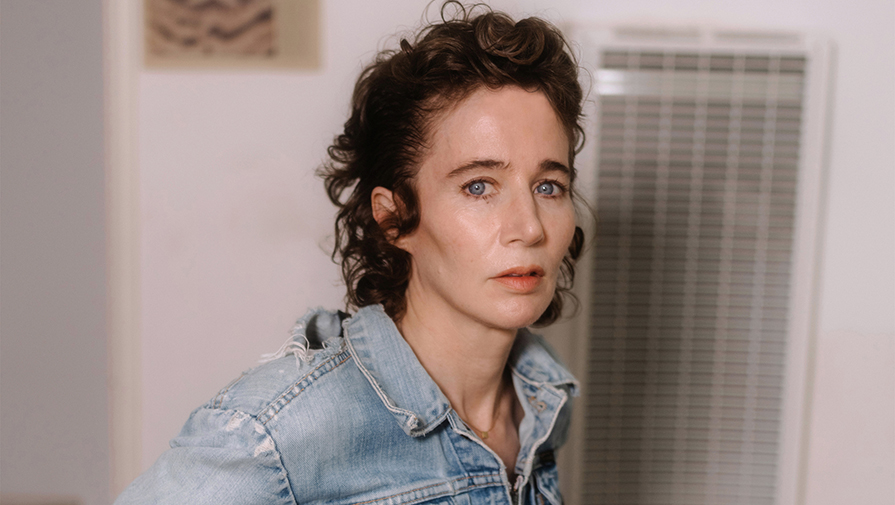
<point>528,271</point>
<point>521,279</point>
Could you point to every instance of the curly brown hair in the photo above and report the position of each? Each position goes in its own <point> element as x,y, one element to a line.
<point>396,100</point>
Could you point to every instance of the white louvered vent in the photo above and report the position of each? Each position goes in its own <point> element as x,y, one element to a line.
<point>701,275</point>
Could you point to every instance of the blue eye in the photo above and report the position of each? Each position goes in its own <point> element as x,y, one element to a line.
<point>547,188</point>
<point>476,188</point>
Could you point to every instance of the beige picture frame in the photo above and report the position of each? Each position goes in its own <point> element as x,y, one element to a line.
<point>231,34</point>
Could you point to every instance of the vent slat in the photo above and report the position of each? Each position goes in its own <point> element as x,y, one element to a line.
<point>696,188</point>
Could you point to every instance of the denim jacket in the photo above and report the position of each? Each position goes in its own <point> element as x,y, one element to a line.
<point>345,414</point>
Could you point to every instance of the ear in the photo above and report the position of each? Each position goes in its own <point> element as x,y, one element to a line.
<point>383,202</point>
<point>385,210</point>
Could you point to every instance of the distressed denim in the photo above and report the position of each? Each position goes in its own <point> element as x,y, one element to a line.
<point>345,414</point>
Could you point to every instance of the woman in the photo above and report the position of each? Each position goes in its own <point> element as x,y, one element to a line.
<point>458,233</point>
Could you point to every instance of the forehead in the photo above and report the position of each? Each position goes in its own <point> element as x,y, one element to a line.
<point>509,124</point>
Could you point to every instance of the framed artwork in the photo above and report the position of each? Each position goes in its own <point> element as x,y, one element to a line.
<point>232,34</point>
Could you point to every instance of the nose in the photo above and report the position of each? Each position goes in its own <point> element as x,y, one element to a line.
<point>522,221</point>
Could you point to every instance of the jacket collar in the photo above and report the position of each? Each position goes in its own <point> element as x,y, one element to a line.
<point>404,386</point>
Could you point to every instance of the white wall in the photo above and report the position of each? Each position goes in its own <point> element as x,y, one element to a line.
<point>235,224</point>
<point>53,400</point>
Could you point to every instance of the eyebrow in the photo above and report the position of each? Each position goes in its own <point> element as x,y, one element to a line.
<point>476,164</point>
<point>546,166</point>
<point>554,166</point>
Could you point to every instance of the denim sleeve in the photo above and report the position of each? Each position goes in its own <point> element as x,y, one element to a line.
<point>220,457</point>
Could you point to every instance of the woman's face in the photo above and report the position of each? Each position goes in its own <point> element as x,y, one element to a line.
<point>496,214</point>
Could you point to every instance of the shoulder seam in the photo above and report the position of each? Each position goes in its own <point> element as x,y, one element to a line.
<point>279,458</point>
<point>273,408</point>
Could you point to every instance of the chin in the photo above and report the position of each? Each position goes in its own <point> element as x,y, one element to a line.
<point>518,314</point>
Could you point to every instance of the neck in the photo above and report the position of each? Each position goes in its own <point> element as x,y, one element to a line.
<point>466,360</point>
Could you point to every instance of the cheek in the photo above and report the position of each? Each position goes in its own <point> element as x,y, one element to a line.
<point>564,231</point>
<point>467,237</point>
<point>445,236</point>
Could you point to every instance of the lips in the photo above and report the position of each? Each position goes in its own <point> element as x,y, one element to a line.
<point>521,279</point>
